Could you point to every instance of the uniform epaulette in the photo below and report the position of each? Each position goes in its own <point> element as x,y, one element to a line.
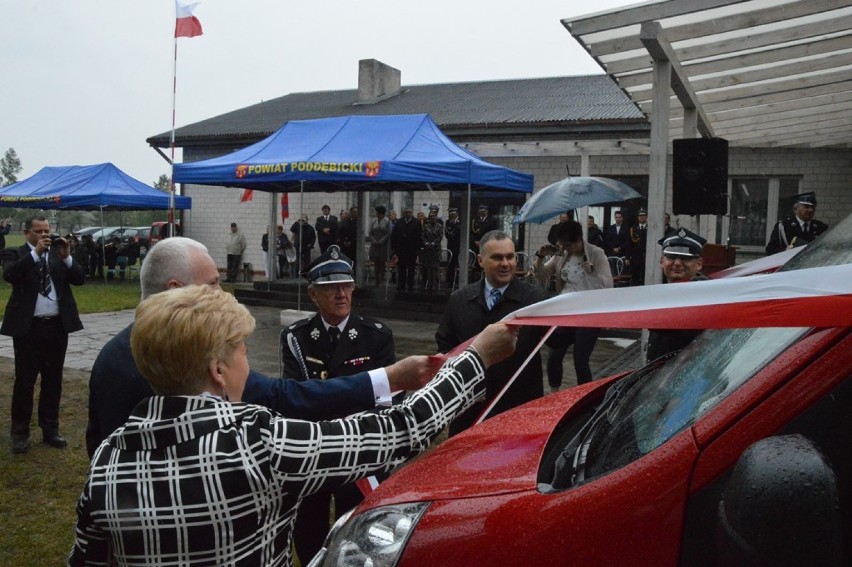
<point>376,324</point>
<point>298,324</point>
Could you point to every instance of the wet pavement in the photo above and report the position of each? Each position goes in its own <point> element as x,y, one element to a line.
<point>410,337</point>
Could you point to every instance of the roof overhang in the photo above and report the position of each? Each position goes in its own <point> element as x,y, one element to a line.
<point>759,73</point>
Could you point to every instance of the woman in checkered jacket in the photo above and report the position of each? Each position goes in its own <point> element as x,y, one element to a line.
<point>197,478</point>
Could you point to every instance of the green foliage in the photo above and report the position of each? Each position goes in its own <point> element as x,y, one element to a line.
<point>10,167</point>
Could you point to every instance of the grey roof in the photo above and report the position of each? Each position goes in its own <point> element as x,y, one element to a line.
<point>477,109</point>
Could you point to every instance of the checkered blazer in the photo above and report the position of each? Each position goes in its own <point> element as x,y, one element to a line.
<point>196,481</point>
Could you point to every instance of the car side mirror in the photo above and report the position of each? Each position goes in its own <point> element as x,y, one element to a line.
<point>781,507</point>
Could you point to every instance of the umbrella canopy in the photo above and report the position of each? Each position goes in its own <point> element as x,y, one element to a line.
<point>573,193</point>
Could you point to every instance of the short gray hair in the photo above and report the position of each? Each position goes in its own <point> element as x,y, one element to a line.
<point>493,235</point>
<point>169,259</point>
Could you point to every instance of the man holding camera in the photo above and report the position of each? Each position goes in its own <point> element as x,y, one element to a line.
<point>40,314</point>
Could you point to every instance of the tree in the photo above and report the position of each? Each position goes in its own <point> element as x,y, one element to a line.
<point>10,167</point>
<point>164,183</point>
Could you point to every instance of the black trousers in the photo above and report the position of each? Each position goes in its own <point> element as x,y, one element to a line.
<point>312,523</point>
<point>233,266</point>
<point>40,351</point>
<point>584,340</point>
<point>406,267</point>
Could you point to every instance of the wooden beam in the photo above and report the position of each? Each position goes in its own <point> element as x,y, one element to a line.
<point>733,60</point>
<point>713,25</point>
<point>659,48</point>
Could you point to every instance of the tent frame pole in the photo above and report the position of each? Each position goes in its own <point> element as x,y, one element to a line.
<point>464,268</point>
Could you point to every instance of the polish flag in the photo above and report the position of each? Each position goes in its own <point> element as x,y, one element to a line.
<point>285,207</point>
<point>186,25</point>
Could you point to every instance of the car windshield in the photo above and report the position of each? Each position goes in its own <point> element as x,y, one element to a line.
<point>647,412</point>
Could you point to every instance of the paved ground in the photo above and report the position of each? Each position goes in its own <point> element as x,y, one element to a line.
<point>411,337</point>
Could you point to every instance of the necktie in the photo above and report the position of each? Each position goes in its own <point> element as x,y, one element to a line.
<point>496,294</point>
<point>333,335</point>
<point>45,278</point>
<point>805,228</point>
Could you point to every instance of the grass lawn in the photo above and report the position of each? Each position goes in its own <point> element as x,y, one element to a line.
<point>39,490</point>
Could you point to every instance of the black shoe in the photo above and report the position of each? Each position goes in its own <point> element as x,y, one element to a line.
<point>54,439</point>
<point>20,445</point>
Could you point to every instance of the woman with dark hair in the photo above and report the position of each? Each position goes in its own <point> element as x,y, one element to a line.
<point>578,266</point>
<point>380,231</point>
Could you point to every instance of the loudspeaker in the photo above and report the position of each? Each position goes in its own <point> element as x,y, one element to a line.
<point>700,176</point>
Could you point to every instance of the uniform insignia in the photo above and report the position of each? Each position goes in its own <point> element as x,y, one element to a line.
<point>378,325</point>
<point>334,255</point>
<point>323,374</point>
<point>682,233</point>
<point>353,333</point>
<point>314,360</point>
<point>291,327</point>
<point>315,333</point>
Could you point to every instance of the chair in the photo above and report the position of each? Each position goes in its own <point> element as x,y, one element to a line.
<point>616,266</point>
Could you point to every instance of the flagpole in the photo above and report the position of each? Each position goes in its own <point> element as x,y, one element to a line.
<point>172,141</point>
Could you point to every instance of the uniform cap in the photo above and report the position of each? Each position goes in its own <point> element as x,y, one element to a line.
<point>330,268</point>
<point>806,199</point>
<point>683,243</point>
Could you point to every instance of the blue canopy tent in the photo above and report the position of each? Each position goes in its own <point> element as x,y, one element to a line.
<point>352,153</point>
<point>359,153</point>
<point>101,187</point>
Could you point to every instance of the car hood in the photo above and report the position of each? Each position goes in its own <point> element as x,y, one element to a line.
<point>499,456</point>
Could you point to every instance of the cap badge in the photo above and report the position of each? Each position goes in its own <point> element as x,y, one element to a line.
<point>334,255</point>
<point>682,233</point>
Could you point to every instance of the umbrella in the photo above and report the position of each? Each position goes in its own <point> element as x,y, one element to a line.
<point>573,193</point>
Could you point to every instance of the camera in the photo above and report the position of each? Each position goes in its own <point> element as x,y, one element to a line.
<point>54,238</point>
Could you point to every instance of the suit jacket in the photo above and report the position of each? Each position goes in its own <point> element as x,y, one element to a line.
<point>407,238</point>
<point>116,387</point>
<point>365,344</point>
<point>466,315</point>
<point>788,229</point>
<point>257,465</point>
<point>20,270</point>
<point>479,227</point>
<point>331,224</point>
<point>613,240</point>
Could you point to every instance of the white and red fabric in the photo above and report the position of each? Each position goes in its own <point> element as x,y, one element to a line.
<point>186,25</point>
<point>813,297</point>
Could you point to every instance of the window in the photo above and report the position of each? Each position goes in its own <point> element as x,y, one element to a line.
<point>757,204</point>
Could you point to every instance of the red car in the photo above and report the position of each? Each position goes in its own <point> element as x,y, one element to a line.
<point>736,451</point>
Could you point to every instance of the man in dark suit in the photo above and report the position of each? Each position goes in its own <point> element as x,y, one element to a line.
<point>551,234</point>
<point>482,224</point>
<point>116,386</point>
<point>636,248</point>
<point>481,303</point>
<point>326,226</point>
<point>5,228</point>
<point>616,237</point>
<point>40,314</point>
<point>452,230</point>
<point>799,229</point>
<point>334,342</point>
<point>406,241</point>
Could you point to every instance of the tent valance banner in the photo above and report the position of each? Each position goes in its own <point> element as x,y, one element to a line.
<point>86,187</point>
<point>354,153</point>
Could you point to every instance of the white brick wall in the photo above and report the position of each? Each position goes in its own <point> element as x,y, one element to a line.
<point>826,171</point>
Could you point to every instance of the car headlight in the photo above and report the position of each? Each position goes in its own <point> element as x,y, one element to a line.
<point>375,538</point>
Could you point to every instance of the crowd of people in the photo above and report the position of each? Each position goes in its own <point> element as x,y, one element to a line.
<point>172,395</point>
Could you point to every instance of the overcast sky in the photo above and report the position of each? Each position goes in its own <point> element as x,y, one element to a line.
<point>87,81</point>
